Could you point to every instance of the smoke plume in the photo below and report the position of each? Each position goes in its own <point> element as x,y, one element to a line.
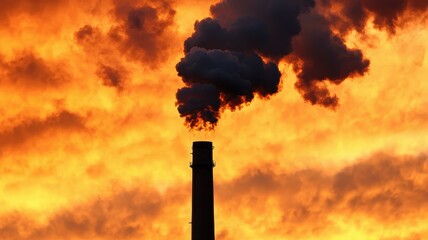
<point>386,14</point>
<point>233,56</point>
<point>224,66</point>
<point>219,79</point>
<point>319,56</point>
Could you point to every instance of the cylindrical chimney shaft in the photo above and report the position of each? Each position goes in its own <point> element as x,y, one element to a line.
<point>202,191</point>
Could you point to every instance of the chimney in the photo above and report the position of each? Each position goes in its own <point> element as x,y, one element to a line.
<point>202,191</point>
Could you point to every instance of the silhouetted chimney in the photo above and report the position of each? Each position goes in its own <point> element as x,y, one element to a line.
<point>202,191</point>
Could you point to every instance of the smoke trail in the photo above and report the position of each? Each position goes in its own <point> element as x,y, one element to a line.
<point>223,67</point>
<point>219,79</point>
<point>319,56</point>
<point>233,55</point>
<point>386,14</point>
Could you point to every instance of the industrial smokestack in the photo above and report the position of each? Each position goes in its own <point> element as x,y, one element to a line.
<point>202,191</point>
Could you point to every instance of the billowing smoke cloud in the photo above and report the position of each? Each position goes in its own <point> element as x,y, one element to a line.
<point>224,57</point>
<point>226,54</point>
<point>321,55</point>
<point>221,79</point>
<point>262,26</point>
<point>308,34</point>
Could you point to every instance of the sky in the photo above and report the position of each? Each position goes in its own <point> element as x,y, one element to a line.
<point>328,142</point>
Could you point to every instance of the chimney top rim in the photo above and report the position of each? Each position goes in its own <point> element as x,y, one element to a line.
<point>202,144</point>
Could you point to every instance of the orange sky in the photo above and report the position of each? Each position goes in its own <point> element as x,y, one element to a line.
<point>92,145</point>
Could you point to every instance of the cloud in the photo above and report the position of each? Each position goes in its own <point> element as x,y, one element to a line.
<point>385,188</point>
<point>144,31</point>
<point>110,68</point>
<point>11,8</point>
<point>140,32</point>
<point>126,214</point>
<point>29,129</point>
<point>30,71</point>
<point>112,77</point>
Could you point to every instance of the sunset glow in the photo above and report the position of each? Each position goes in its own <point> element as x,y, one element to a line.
<point>92,145</point>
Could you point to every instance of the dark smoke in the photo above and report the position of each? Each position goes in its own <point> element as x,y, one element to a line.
<point>219,79</point>
<point>232,55</point>
<point>321,55</point>
<point>386,14</point>
<point>223,67</point>
<point>263,26</point>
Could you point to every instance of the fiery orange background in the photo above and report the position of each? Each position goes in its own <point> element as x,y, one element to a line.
<point>92,146</point>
